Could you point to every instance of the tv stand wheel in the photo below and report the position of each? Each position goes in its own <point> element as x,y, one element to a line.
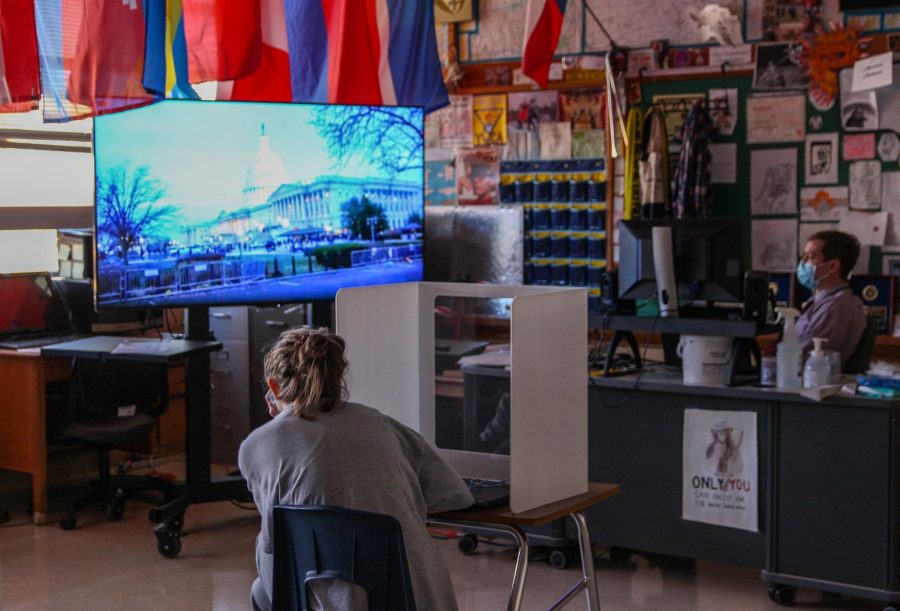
<point>168,542</point>
<point>783,595</point>
<point>467,544</point>
<point>558,559</point>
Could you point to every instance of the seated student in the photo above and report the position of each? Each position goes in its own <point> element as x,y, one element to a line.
<point>322,450</point>
<point>834,312</point>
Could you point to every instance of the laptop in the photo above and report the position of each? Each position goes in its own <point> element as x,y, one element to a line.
<point>32,313</point>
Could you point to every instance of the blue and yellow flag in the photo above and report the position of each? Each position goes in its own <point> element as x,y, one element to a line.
<point>165,53</point>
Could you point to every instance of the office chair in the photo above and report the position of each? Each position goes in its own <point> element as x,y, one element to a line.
<point>320,542</point>
<point>862,356</point>
<point>110,403</point>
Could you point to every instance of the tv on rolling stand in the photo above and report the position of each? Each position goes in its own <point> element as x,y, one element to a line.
<point>235,203</point>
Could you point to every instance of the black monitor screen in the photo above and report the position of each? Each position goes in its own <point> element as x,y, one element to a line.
<point>708,258</point>
<point>30,305</point>
<point>201,203</point>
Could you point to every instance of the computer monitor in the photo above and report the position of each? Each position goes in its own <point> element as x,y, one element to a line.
<point>708,258</point>
<point>201,203</point>
<point>30,305</point>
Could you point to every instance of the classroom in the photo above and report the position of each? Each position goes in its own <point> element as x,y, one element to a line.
<point>449,304</point>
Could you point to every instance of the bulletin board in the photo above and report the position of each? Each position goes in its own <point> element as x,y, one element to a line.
<point>735,199</point>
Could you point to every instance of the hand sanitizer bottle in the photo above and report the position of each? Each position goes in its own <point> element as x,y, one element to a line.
<point>789,353</point>
<point>817,368</point>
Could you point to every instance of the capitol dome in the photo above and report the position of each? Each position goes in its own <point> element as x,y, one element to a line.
<point>265,174</point>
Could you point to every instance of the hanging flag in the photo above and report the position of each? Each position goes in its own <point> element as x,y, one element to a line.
<point>271,81</point>
<point>364,52</point>
<point>543,24</point>
<point>223,38</point>
<point>92,56</point>
<point>165,51</point>
<point>20,76</point>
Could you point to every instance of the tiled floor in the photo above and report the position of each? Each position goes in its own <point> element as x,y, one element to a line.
<point>114,565</point>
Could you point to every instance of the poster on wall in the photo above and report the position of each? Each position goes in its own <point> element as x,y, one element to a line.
<point>452,11</point>
<point>478,176</point>
<point>821,159</point>
<point>720,482</point>
<point>456,122</point>
<point>773,244</point>
<point>528,108</point>
<point>589,144</point>
<point>440,182</point>
<point>773,181</point>
<point>583,109</point>
<point>776,118</point>
<point>489,120</point>
<point>555,140</point>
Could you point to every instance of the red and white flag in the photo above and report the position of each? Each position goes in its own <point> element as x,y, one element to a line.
<point>543,24</point>
<point>271,81</point>
<point>20,76</point>
<point>223,38</point>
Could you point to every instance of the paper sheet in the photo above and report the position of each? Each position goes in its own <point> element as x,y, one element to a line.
<point>873,72</point>
<point>774,244</point>
<point>888,147</point>
<point>723,163</point>
<point>859,146</point>
<point>129,346</point>
<point>776,118</point>
<point>726,119</point>
<point>859,111</point>
<point>868,227</point>
<point>773,181</point>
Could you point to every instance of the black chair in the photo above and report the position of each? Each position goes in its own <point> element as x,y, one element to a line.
<point>110,403</point>
<point>861,358</point>
<point>320,542</point>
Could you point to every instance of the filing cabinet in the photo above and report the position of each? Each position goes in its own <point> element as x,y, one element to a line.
<point>237,390</point>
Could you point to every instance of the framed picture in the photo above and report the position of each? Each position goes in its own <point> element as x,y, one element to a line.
<point>877,294</point>
<point>779,66</point>
<point>821,159</point>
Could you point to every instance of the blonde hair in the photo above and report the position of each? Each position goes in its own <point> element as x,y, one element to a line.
<point>308,365</point>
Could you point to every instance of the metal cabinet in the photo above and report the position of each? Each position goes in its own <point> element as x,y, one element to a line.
<point>237,392</point>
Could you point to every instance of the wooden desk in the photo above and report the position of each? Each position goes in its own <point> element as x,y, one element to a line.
<point>503,519</point>
<point>23,417</point>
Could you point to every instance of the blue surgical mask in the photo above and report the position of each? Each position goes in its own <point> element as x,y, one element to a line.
<point>806,275</point>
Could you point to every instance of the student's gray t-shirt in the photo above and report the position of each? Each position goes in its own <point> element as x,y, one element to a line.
<point>358,458</point>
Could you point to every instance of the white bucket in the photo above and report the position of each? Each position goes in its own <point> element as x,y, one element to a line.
<point>704,359</point>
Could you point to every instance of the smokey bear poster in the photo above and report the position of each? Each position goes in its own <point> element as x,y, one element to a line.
<point>720,469</point>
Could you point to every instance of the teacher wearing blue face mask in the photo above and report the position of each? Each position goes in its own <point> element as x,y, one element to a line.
<point>834,312</point>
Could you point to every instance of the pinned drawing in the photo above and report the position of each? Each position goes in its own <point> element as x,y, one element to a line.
<point>889,147</point>
<point>774,244</point>
<point>865,185</point>
<point>820,204</point>
<point>773,180</point>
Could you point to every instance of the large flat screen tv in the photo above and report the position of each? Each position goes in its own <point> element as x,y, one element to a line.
<point>202,203</point>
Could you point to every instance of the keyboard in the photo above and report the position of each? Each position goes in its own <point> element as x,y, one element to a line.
<point>19,343</point>
<point>488,494</point>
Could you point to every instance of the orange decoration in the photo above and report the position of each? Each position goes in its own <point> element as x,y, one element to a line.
<point>828,52</point>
